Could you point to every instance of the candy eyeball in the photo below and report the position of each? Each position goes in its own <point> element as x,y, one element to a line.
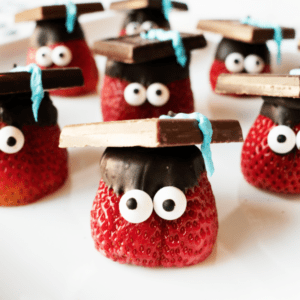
<point>135,94</point>
<point>133,28</point>
<point>234,62</point>
<point>61,56</point>
<point>281,139</point>
<point>298,140</point>
<point>11,139</point>
<point>136,206</point>
<point>158,94</point>
<point>254,64</point>
<point>170,203</point>
<point>148,25</point>
<point>43,57</point>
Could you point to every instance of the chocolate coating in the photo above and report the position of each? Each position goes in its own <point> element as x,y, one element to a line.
<point>164,70</point>
<point>282,111</point>
<point>17,110</point>
<point>228,46</point>
<point>150,169</point>
<point>48,32</point>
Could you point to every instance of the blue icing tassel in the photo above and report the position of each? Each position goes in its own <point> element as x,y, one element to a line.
<point>71,10</point>
<point>277,32</point>
<point>167,7</point>
<point>171,35</point>
<point>206,129</point>
<point>36,86</point>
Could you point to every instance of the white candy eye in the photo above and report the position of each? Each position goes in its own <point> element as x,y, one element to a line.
<point>158,94</point>
<point>11,139</point>
<point>135,94</point>
<point>281,139</point>
<point>170,203</point>
<point>136,206</point>
<point>254,64</point>
<point>43,57</point>
<point>298,140</point>
<point>148,25</point>
<point>61,56</point>
<point>133,28</point>
<point>234,62</point>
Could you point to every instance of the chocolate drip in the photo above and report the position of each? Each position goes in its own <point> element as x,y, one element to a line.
<point>164,70</point>
<point>48,32</point>
<point>228,46</point>
<point>150,169</point>
<point>282,111</point>
<point>17,110</point>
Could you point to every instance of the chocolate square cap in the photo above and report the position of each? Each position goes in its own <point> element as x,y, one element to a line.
<point>19,82</point>
<point>55,12</point>
<point>235,30</point>
<point>135,49</point>
<point>259,85</point>
<point>140,4</point>
<point>149,133</point>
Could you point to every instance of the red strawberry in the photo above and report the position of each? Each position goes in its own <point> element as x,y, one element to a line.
<point>218,67</point>
<point>265,169</point>
<point>156,242</point>
<point>114,106</point>
<point>38,169</point>
<point>82,58</point>
<point>122,32</point>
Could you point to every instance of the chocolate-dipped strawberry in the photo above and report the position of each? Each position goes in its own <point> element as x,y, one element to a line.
<point>243,48</point>
<point>270,155</point>
<point>32,165</point>
<point>58,41</point>
<point>144,78</point>
<point>146,15</point>
<point>154,205</point>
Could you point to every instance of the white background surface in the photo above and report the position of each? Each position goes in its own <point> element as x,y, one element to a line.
<point>46,250</point>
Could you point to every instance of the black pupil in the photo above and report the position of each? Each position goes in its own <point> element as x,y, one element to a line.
<point>44,54</point>
<point>131,204</point>
<point>11,141</point>
<point>281,138</point>
<point>136,91</point>
<point>236,61</point>
<point>158,92</point>
<point>61,55</point>
<point>168,205</point>
<point>257,62</point>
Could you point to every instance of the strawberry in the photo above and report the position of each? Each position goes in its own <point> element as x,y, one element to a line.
<point>37,170</point>
<point>82,58</point>
<point>156,242</point>
<point>265,169</point>
<point>114,107</point>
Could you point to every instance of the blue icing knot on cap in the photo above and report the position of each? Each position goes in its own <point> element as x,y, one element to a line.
<point>206,129</point>
<point>167,7</point>
<point>265,25</point>
<point>71,9</point>
<point>36,86</point>
<point>170,35</point>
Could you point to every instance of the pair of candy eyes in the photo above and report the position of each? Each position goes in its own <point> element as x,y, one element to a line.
<point>282,139</point>
<point>236,63</point>
<point>60,56</point>
<point>135,27</point>
<point>136,94</point>
<point>169,203</point>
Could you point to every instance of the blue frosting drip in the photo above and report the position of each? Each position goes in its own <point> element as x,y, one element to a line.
<point>206,129</point>
<point>277,32</point>
<point>36,86</point>
<point>171,35</point>
<point>167,7</point>
<point>71,9</point>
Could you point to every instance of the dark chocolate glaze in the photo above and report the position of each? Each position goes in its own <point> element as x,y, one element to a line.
<point>16,110</point>
<point>147,14</point>
<point>282,111</point>
<point>150,169</point>
<point>228,46</point>
<point>48,32</point>
<point>164,70</point>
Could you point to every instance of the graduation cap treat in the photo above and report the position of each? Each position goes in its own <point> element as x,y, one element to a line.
<point>58,41</point>
<point>243,48</point>
<point>270,155</point>
<point>143,15</point>
<point>154,205</point>
<point>147,77</point>
<point>32,165</point>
